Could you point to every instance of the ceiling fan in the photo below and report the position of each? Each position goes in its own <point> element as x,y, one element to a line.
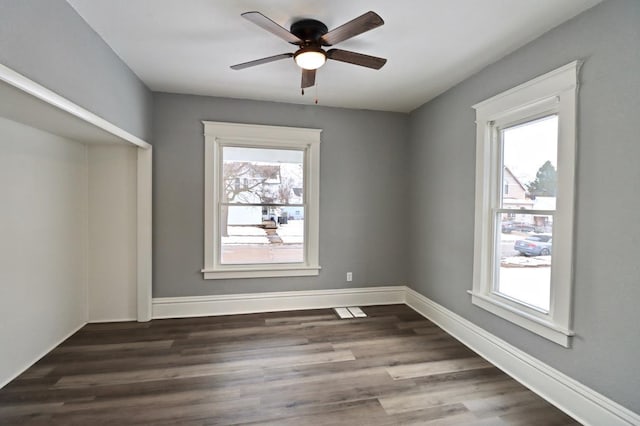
<point>311,36</point>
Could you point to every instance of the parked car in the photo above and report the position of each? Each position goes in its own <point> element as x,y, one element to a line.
<point>534,245</point>
<point>507,227</point>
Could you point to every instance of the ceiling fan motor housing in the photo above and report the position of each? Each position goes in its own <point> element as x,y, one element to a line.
<point>309,30</point>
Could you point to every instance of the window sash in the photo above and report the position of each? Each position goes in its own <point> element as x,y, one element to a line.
<point>493,288</point>
<point>230,144</point>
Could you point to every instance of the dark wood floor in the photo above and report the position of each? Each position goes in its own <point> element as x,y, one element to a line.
<point>287,368</point>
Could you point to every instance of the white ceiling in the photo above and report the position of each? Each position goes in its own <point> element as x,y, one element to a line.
<point>187,46</point>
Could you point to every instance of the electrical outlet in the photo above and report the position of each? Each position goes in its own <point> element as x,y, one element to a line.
<point>349,276</point>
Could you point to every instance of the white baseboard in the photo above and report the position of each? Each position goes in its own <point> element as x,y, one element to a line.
<point>28,364</point>
<point>577,400</point>
<point>181,307</point>
<point>106,320</point>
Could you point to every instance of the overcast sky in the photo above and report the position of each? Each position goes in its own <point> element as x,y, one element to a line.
<point>528,146</point>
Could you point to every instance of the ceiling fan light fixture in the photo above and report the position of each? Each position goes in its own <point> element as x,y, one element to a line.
<point>310,58</point>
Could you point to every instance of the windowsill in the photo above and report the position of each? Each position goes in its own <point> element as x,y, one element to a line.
<point>232,272</point>
<point>544,328</point>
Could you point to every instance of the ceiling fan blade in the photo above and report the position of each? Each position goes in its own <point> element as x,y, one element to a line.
<point>359,25</point>
<point>308,78</point>
<point>356,58</point>
<point>261,61</point>
<point>263,22</point>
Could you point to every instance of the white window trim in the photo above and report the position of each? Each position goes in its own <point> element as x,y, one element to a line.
<point>554,92</point>
<point>218,133</point>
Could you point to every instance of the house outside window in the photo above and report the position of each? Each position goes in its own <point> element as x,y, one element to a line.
<point>261,201</point>
<point>524,237</point>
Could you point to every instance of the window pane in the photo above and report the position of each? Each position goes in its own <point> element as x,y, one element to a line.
<point>524,250</point>
<point>262,234</point>
<point>262,176</point>
<point>530,152</point>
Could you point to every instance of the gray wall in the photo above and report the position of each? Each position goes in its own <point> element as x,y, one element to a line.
<point>48,42</point>
<point>607,272</point>
<point>362,194</point>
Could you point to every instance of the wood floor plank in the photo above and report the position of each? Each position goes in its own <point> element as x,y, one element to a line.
<point>8,411</point>
<point>367,412</point>
<point>354,388</point>
<point>392,341</point>
<point>304,414</point>
<point>538,415</point>
<point>436,367</point>
<point>177,413</point>
<point>279,368</point>
<point>498,405</point>
<point>198,370</point>
<point>464,419</point>
<point>299,319</point>
<point>166,359</point>
<point>429,415</point>
<point>37,372</point>
<point>429,398</point>
<point>264,341</point>
<point>110,347</point>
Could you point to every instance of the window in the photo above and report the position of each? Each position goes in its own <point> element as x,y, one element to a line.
<point>523,262</point>
<point>261,201</point>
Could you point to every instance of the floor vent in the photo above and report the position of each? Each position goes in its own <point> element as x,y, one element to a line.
<point>350,312</point>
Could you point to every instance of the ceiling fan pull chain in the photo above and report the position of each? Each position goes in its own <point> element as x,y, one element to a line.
<point>316,100</point>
